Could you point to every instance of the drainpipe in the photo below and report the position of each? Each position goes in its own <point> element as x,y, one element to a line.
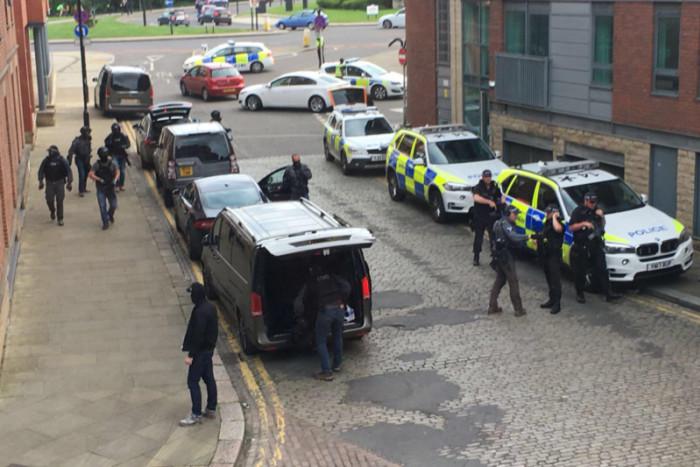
<point>41,85</point>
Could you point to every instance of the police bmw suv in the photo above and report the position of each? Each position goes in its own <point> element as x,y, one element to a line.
<point>640,240</point>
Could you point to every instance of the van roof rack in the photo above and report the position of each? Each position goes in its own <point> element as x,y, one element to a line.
<point>425,130</point>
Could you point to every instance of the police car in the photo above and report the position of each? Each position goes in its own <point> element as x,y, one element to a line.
<point>380,84</point>
<point>639,239</point>
<point>245,56</point>
<point>440,165</point>
<point>358,136</point>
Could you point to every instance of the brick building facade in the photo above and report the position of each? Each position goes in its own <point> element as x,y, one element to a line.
<point>614,81</point>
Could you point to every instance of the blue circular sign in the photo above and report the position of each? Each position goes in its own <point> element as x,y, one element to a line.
<point>81,32</point>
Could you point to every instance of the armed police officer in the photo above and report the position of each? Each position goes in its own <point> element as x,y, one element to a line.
<point>117,143</point>
<point>55,169</point>
<point>549,243</point>
<point>588,250</point>
<point>81,149</point>
<point>105,173</point>
<point>488,200</point>
<point>295,180</point>
<point>505,240</point>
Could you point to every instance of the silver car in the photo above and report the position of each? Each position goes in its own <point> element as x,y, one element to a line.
<point>123,89</point>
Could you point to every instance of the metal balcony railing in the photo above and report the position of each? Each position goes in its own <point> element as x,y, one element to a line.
<point>522,79</point>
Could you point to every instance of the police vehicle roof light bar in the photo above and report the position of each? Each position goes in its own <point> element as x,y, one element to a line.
<point>442,128</point>
<point>356,109</point>
<point>566,167</point>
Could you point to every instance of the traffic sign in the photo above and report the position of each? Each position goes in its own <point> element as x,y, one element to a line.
<point>81,32</point>
<point>169,3</point>
<point>84,16</point>
<point>402,56</point>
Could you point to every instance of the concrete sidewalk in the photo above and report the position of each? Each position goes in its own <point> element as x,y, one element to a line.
<point>93,374</point>
<point>683,290</point>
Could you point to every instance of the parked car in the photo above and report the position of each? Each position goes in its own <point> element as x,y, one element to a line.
<point>189,151</point>
<point>180,18</point>
<point>301,90</point>
<point>212,80</point>
<point>256,259</point>
<point>165,17</point>
<point>302,19</point>
<point>148,130</point>
<point>206,14</point>
<point>200,202</point>
<point>123,89</point>
<point>245,56</point>
<point>393,20</point>
<point>222,16</point>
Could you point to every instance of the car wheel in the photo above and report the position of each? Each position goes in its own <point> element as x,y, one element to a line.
<point>209,290</point>
<point>183,89</point>
<point>387,24</point>
<point>344,165</point>
<point>194,243</point>
<point>167,197</point>
<point>205,95</point>
<point>294,28</point>
<point>437,209</point>
<point>256,67</point>
<point>327,151</point>
<point>282,26</point>
<point>243,338</point>
<point>379,93</point>
<point>317,104</point>
<point>253,103</point>
<point>395,192</point>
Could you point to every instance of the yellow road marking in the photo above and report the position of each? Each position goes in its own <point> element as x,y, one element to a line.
<point>667,310</point>
<point>246,372</point>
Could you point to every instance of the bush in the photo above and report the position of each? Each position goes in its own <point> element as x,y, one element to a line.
<point>352,4</point>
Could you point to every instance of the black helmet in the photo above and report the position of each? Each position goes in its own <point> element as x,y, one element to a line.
<point>510,209</point>
<point>85,131</point>
<point>216,115</point>
<point>116,127</point>
<point>103,153</point>
<point>53,151</point>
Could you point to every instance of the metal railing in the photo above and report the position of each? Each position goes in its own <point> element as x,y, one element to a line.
<point>522,79</point>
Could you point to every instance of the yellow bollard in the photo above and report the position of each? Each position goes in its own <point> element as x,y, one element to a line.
<point>266,24</point>
<point>307,37</point>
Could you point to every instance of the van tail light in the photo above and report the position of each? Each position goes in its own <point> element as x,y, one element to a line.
<point>203,224</point>
<point>366,290</point>
<point>233,165</point>
<point>256,308</point>
<point>107,94</point>
<point>171,170</point>
<point>150,93</point>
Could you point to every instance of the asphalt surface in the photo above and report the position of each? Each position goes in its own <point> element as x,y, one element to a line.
<point>438,382</point>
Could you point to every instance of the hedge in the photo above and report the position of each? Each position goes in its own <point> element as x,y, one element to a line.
<point>352,4</point>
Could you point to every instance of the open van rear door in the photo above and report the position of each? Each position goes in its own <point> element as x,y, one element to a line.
<point>348,95</point>
<point>330,239</point>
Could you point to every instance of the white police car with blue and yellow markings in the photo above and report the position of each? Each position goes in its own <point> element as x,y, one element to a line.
<point>358,136</point>
<point>440,165</point>
<point>245,56</point>
<point>640,240</point>
<point>379,83</point>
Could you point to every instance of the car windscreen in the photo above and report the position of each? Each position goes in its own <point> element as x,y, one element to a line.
<point>367,127</point>
<point>235,196</point>
<point>130,82</point>
<point>207,147</point>
<point>613,196</point>
<point>459,151</point>
<point>374,70</point>
<point>224,72</point>
<point>158,125</point>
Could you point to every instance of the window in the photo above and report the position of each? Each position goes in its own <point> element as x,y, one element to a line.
<point>406,144</point>
<point>207,147</point>
<point>602,45</point>
<point>459,151</point>
<point>475,24</point>
<point>666,45</point>
<point>419,150</point>
<point>443,32</point>
<point>506,183</point>
<point>367,127</point>
<point>281,82</point>
<point>302,81</point>
<point>523,189</point>
<point>224,72</point>
<point>546,196</point>
<point>353,71</point>
<point>130,82</point>
<point>527,29</point>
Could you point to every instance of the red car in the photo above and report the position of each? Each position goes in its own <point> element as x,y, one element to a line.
<point>212,80</point>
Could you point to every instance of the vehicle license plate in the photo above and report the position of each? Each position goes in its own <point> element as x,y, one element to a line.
<point>130,101</point>
<point>186,171</point>
<point>659,265</point>
<point>378,157</point>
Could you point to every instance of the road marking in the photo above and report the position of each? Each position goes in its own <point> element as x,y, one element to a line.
<point>397,110</point>
<point>246,372</point>
<point>667,309</point>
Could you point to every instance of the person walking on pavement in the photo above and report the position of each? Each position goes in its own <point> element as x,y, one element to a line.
<point>199,343</point>
<point>55,169</point>
<point>549,243</point>
<point>296,179</point>
<point>81,149</point>
<point>105,173</point>
<point>503,262</point>
<point>331,294</point>
<point>588,251</point>
<point>117,143</point>
<point>487,202</point>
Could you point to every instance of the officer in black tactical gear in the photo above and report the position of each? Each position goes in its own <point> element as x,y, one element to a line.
<point>296,179</point>
<point>505,240</point>
<point>55,169</point>
<point>488,200</point>
<point>588,251</point>
<point>105,173</point>
<point>81,149</point>
<point>117,143</point>
<point>549,243</point>
<point>215,116</point>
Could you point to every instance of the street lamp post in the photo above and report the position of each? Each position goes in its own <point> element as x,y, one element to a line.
<point>83,68</point>
<point>143,11</point>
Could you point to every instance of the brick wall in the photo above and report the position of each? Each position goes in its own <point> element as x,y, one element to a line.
<point>633,102</point>
<point>686,188</point>
<point>421,56</point>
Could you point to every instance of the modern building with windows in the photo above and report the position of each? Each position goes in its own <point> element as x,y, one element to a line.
<point>616,81</point>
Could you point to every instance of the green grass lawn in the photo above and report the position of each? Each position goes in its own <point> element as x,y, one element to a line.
<point>108,27</point>
<point>334,15</point>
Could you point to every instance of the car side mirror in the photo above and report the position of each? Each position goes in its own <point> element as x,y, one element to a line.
<point>499,155</point>
<point>205,240</point>
<point>418,161</point>
<point>644,197</point>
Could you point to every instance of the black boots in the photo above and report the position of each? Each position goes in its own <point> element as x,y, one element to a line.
<point>476,259</point>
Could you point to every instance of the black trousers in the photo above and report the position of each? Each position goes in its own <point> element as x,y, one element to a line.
<point>482,225</point>
<point>202,368</point>
<point>551,263</point>
<point>55,194</point>
<point>505,273</point>
<point>585,258</point>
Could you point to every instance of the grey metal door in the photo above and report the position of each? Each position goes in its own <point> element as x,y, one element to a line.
<point>696,216</point>
<point>664,175</point>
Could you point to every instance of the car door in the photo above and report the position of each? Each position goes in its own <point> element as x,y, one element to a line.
<point>240,58</point>
<point>420,169</point>
<point>400,19</point>
<point>183,205</point>
<point>278,94</point>
<point>301,90</point>
<point>271,185</point>
<point>191,78</point>
<point>521,195</point>
<point>141,132</point>
<point>405,149</point>
<point>356,76</point>
<point>329,133</point>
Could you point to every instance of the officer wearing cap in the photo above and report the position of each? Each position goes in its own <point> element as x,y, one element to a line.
<point>505,239</point>
<point>587,253</point>
<point>549,243</point>
<point>487,201</point>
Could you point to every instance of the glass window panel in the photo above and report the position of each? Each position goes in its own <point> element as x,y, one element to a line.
<point>603,50</point>
<point>515,32</point>
<point>602,76</point>
<point>667,39</point>
<point>666,83</point>
<point>539,35</point>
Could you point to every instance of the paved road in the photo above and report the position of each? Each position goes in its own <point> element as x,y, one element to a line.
<point>438,382</point>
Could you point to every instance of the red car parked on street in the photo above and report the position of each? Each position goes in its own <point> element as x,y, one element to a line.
<point>212,80</point>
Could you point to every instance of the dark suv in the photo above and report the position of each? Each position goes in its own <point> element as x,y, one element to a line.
<point>149,128</point>
<point>123,89</point>
<point>257,259</point>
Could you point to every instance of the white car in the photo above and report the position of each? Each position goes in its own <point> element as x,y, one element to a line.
<point>378,82</point>
<point>393,20</point>
<point>245,56</point>
<point>640,240</point>
<point>300,90</point>
<point>358,136</point>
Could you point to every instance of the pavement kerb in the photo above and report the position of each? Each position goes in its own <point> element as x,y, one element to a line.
<point>674,296</point>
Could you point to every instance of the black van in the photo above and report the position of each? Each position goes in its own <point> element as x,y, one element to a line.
<point>123,90</point>
<point>256,260</point>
